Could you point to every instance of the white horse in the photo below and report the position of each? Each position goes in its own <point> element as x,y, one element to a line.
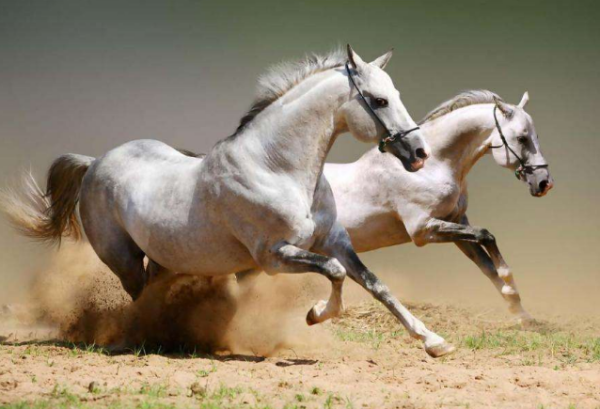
<point>257,201</point>
<point>381,205</point>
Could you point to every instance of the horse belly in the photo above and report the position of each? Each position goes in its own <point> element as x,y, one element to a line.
<point>377,231</point>
<point>202,254</point>
<point>174,229</point>
<point>185,240</point>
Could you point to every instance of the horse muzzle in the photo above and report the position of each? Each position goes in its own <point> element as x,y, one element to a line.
<point>412,150</point>
<point>544,187</point>
<point>540,182</point>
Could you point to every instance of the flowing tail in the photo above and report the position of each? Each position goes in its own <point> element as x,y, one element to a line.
<point>51,215</point>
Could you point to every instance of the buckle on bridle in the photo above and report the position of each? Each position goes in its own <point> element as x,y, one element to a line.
<point>519,173</point>
<point>384,141</point>
<point>521,170</point>
<point>392,138</point>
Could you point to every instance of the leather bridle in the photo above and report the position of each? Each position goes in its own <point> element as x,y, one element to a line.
<point>523,168</point>
<point>389,138</point>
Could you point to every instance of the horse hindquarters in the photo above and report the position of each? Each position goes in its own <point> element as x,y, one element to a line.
<point>113,245</point>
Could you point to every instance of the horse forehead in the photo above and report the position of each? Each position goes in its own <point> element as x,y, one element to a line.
<point>523,120</point>
<point>379,80</point>
<point>530,124</point>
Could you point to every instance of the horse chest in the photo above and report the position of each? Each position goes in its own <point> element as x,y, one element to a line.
<point>317,220</point>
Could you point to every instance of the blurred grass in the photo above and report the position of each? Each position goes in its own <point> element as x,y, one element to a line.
<point>150,397</point>
<point>542,342</point>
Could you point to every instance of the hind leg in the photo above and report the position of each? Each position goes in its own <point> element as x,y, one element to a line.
<point>110,240</point>
<point>155,270</point>
<point>480,257</point>
<point>119,252</point>
<point>126,260</point>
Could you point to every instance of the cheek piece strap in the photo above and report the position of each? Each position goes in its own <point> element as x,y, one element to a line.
<point>389,137</point>
<point>523,167</point>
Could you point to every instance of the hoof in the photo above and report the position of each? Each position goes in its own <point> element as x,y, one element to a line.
<point>440,350</point>
<point>311,319</point>
<point>528,322</point>
<point>523,318</point>
<point>315,315</point>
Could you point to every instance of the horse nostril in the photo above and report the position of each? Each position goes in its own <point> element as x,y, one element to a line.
<point>421,154</point>
<point>543,185</point>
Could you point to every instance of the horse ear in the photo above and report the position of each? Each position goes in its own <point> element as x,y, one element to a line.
<point>382,61</point>
<point>506,110</point>
<point>355,61</point>
<point>524,100</point>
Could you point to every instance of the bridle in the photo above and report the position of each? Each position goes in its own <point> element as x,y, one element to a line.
<point>523,168</point>
<point>390,137</point>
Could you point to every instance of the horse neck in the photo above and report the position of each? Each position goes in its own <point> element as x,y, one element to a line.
<point>460,138</point>
<point>296,133</point>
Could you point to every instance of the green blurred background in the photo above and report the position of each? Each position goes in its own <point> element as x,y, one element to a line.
<point>85,76</point>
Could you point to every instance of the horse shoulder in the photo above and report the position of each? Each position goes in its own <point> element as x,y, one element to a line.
<point>257,204</point>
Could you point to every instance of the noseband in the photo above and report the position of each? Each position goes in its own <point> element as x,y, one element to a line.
<point>390,137</point>
<point>523,168</point>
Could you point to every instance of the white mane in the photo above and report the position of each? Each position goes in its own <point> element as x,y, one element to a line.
<point>282,77</point>
<point>464,99</point>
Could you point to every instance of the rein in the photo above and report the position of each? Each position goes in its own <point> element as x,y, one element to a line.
<point>523,167</point>
<point>390,137</point>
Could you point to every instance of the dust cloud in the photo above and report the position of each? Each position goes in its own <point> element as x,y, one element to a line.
<point>77,299</point>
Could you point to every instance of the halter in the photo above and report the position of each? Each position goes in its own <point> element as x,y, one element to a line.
<point>523,168</point>
<point>390,137</point>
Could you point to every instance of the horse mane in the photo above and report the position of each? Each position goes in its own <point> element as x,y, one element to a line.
<point>464,99</point>
<point>281,78</point>
<point>190,153</point>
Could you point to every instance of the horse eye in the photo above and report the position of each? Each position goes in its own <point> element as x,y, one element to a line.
<point>380,102</point>
<point>522,140</point>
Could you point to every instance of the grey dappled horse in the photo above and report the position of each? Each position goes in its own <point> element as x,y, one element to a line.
<point>257,201</point>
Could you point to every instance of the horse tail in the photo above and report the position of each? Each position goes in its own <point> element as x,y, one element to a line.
<point>51,215</point>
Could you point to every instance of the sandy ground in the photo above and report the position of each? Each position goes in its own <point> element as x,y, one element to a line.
<point>263,355</point>
<point>356,366</point>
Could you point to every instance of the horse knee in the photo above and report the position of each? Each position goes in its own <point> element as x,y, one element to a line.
<point>334,269</point>
<point>421,238</point>
<point>484,236</point>
<point>289,258</point>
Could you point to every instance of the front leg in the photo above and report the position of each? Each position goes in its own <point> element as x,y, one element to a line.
<point>338,245</point>
<point>479,256</point>
<point>287,258</point>
<point>472,241</point>
<point>440,231</point>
